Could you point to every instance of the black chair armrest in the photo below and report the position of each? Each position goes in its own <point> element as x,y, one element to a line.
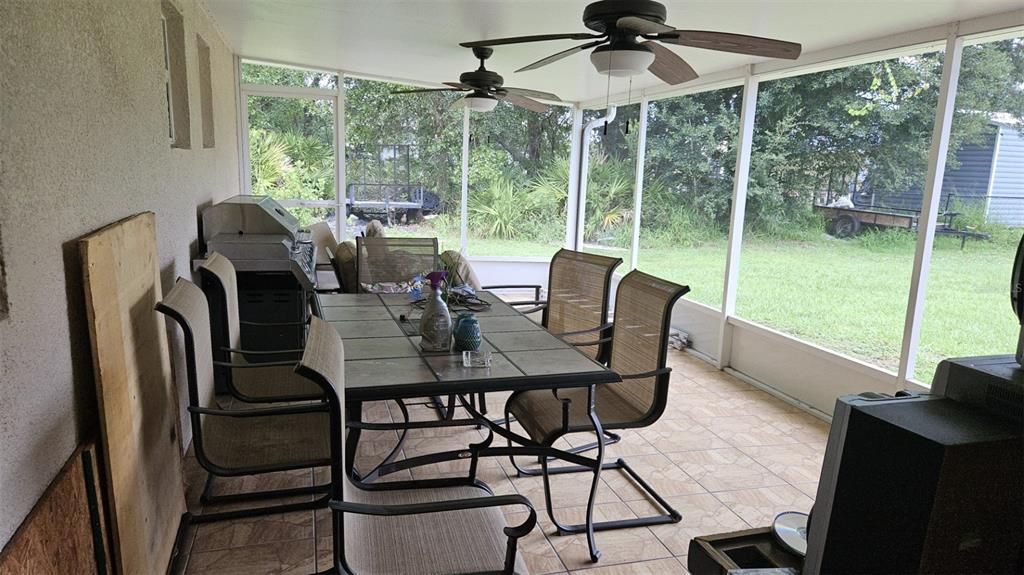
<point>597,329</point>
<point>386,510</point>
<point>647,374</point>
<point>252,365</point>
<point>535,287</point>
<point>262,352</point>
<point>589,343</point>
<point>262,411</point>
<point>272,323</point>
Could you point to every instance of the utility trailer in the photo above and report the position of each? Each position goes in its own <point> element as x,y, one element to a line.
<point>846,222</point>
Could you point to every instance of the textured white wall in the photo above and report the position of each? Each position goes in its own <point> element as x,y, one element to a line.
<point>83,142</point>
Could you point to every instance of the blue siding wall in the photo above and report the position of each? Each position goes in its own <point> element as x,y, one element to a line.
<point>1007,203</point>
<point>969,181</point>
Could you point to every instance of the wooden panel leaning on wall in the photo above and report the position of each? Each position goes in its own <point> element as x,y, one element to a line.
<point>137,401</point>
<point>64,532</point>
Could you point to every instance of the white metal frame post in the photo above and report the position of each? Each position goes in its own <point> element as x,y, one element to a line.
<point>341,184</point>
<point>572,194</point>
<point>638,193</point>
<point>464,202</point>
<point>242,113</point>
<point>736,218</point>
<point>930,205</point>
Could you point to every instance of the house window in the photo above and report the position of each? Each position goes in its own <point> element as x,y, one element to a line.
<point>205,92</point>
<point>175,77</point>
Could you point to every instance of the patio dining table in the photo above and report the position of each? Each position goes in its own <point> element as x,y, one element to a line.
<point>383,361</point>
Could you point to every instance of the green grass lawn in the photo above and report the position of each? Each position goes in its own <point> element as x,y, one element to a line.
<point>847,295</point>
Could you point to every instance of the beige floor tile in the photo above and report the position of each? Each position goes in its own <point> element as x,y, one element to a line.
<point>719,382</point>
<point>724,469</point>
<point>796,463</point>
<point>809,489</point>
<point>658,471</point>
<point>632,443</point>
<point>682,563</point>
<point>324,553</point>
<point>747,430</point>
<point>683,385</point>
<point>682,434</point>
<point>567,490</point>
<point>669,566</point>
<point>535,549</point>
<point>617,546</point>
<point>758,507</point>
<point>262,482</point>
<point>703,514</point>
<point>281,558</point>
<point>804,427</point>
<point>254,531</point>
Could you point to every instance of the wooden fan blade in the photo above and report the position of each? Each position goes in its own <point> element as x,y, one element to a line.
<point>641,25</point>
<point>737,43</point>
<point>668,66</point>
<point>524,102</point>
<point>560,55</point>
<point>417,91</point>
<point>459,85</point>
<point>524,39</point>
<point>532,93</point>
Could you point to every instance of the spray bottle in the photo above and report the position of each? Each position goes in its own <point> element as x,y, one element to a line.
<point>436,322</point>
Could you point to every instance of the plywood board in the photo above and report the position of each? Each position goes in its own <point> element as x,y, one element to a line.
<point>137,400</point>
<point>63,533</point>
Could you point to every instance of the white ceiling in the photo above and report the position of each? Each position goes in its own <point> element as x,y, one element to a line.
<point>418,39</point>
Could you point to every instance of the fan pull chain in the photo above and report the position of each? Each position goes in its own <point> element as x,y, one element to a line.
<point>629,100</point>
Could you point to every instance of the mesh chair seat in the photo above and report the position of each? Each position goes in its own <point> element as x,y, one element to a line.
<point>279,441</point>
<point>467,541</point>
<point>274,381</point>
<point>540,413</point>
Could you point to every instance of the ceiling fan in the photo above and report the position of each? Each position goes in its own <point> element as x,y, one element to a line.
<point>618,52</point>
<point>486,88</point>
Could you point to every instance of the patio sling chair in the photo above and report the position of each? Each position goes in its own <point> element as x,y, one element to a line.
<point>427,527</point>
<point>388,265</point>
<point>250,440</point>
<point>643,310</point>
<point>252,382</point>
<point>576,308</point>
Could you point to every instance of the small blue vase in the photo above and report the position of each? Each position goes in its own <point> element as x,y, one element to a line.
<point>467,332</point>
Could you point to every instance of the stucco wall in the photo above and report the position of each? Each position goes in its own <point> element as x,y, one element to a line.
<point>83,142</point>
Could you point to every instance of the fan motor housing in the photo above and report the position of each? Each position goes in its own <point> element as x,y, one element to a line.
<point>481,79</point>
<point>602,16</point>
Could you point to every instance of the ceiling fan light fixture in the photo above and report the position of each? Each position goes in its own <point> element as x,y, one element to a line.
<point>478,102</point>
<point>629,60</point>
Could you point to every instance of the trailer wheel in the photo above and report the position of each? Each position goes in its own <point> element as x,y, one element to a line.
<point>845,226</point>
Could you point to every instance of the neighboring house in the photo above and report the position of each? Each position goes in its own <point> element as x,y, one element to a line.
<point>991,173</point>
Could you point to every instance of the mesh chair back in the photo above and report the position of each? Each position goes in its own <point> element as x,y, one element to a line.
<point>380,260</point>
<point>324,360</point>
<point>578,286</point>
<point>323,238</point>
<point>219,272</point>
<point>643,310</point>
<point>186,304</point>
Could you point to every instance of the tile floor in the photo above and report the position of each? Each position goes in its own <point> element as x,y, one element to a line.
<point>726,455</point>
